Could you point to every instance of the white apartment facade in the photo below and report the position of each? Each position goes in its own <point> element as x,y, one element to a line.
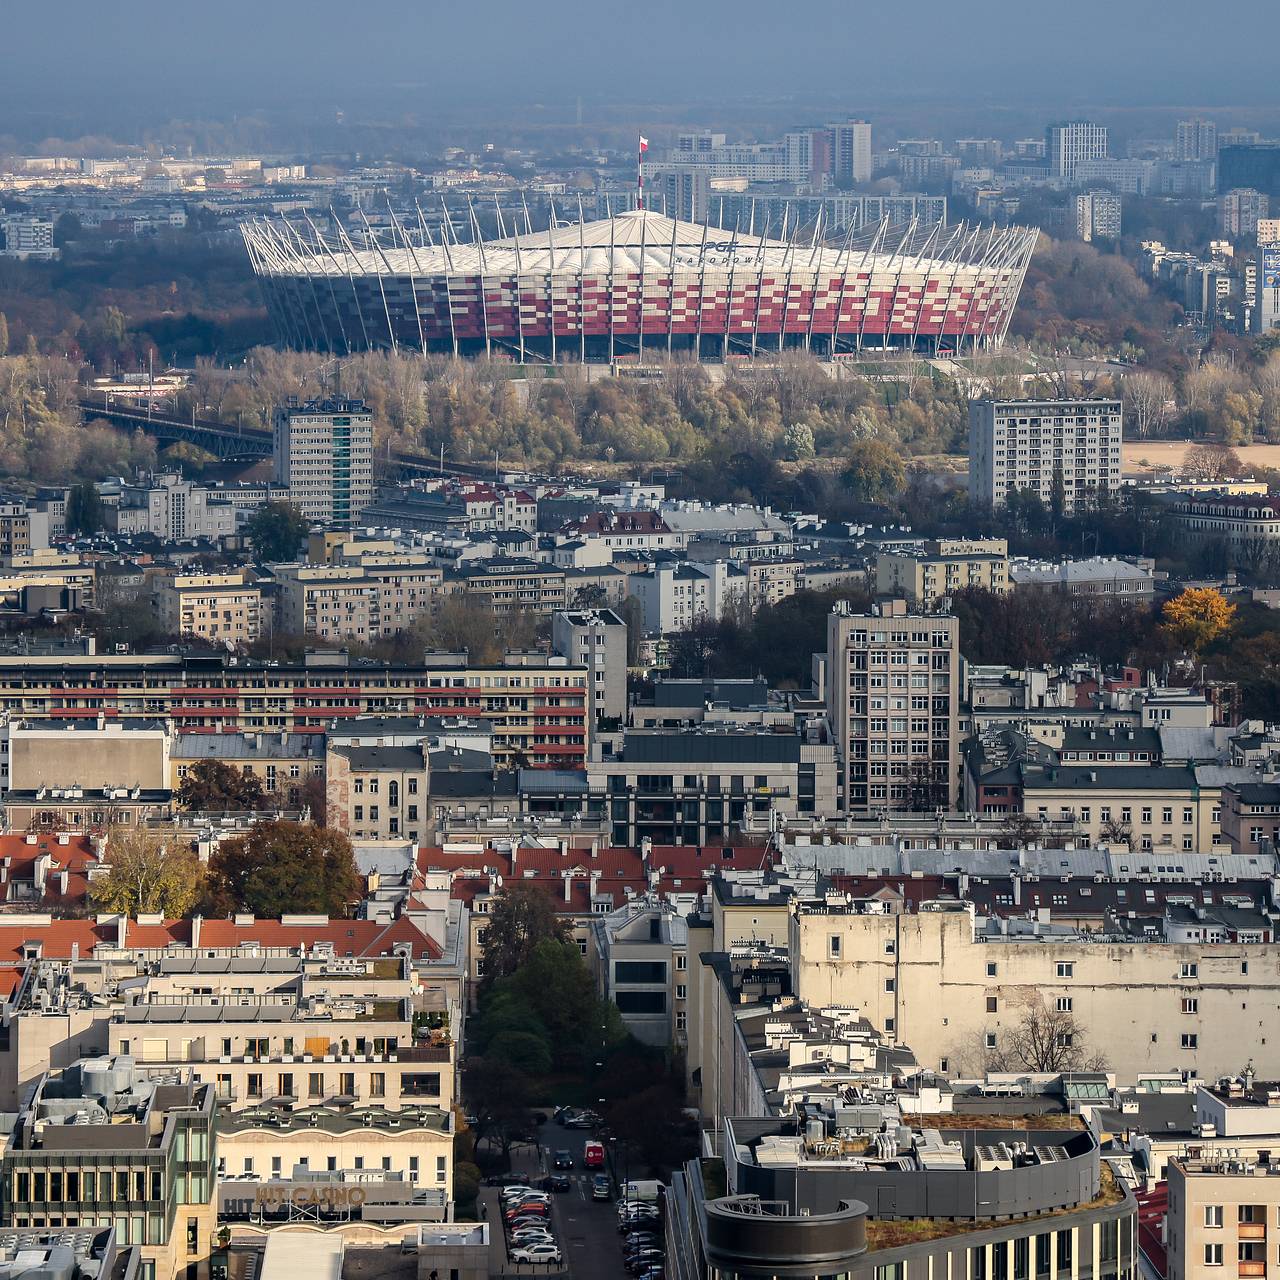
<point>1066,451</point>
<point>892,697</point>
<point>323,456</point>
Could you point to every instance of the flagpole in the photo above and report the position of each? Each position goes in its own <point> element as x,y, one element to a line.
<point>640,150</point>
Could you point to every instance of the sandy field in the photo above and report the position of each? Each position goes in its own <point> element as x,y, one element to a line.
<point>1146,455</point>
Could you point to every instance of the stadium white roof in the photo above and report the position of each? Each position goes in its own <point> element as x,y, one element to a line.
<point>638,240</point>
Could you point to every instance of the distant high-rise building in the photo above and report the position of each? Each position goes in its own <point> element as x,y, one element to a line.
<point>682,191</point>
<point>1067,144</point>
<point>1255,165</point>
<point>1065,451</point>
<point>1240,211</point>
<point>1269,230</point>
<point>323,452</point>
<point>808,154</point>
<point>1098,215</point>
<point>851,151</point>
<point>1196,140</point>
<point>703,140</point>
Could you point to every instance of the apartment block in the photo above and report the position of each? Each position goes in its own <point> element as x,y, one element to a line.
<point>223,607</point>
<point>171,508</point>
<point>956,990</point>
<point>100,1142</point>
<point>536,702</point>
<point>1066,145</point>
<point>323,456</point>
<point>1224,1213</point>
<point>1065,451</point>
<point>596,639</point>
<point>375,791</point>
<point>893,699</point>
<point>941,568</point>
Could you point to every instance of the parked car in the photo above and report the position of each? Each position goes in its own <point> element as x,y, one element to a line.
<point>645,1260</point>
<point>638,1239</point>
<point>532,1235</point>
<point>536,1253</point>
<point>515,1189</point>
<point>601,1186</point>
<point>562,1159</point>
<point>504,1180</point>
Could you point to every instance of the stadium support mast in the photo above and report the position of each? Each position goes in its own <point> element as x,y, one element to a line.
<point>642,145</point>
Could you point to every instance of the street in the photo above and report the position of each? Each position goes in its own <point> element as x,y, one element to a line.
<point>587,1229</point>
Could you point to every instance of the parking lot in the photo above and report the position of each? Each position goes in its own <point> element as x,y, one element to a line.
<point>585,1229</point>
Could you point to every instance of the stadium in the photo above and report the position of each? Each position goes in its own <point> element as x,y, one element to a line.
<point>639,285</point>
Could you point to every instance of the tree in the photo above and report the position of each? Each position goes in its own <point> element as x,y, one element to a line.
<point>557,985</point>
<point>1212,462</point>
<point>84,509</point>
<point>1017,830</point>
<point>282,867</point>
<point>277,531</point>
<point>1043,1039</point>
<point>1116,831</point>
<point>1197,617</point>
<point>520,917</point>
<point>4,334</point>
<point>1149,398</point>
<point>214,785</point>
<point>874,472</point>
<point>144,874</point>
<point>499,1098</point>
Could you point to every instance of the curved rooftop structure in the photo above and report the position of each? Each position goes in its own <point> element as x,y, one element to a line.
<point>639,283</point>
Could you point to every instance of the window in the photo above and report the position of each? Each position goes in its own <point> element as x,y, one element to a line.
<point>993,1004</point>
<point>992,968</point>
<point>890,986</point>
<point>1189,969</point>
<point>1064,1004</point>
<point>1190,1004</point>
<point>1066,969</point>
<point>1213,1215</point>
<point>833,946</point>
<point>1213,1255</point>
<point>990,1040</point>
<point>682,961</point>
<point>1190,1040</point>
<point>682,992</point>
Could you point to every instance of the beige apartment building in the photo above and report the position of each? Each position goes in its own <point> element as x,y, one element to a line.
<point>377,792</point>
<point>1223,1217</point>
<point>892,697</point>
<point>1161,808</point>
<point>380,596</point>
<point>263,1029</point>
<point>222,607</point>
<point>413,1144</point>
<point>954,996</point>
<point>943,567</point>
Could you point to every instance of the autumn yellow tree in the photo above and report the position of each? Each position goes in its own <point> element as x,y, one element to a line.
<point>146,874</point>
<point>1197,617</point>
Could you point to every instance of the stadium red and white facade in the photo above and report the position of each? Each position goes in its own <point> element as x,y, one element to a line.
<point>637,285</point>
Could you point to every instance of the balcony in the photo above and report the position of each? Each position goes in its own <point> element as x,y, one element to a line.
<point>1251,1269</point>
<point>1252,1230</point>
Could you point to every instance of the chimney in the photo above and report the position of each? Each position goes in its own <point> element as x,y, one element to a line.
<point>567,876</point>
<point>595,848</point>
<point>196,921</point>
<point>75,952</point>
<point>646,849</point>
<point>122,930</point>
<point>515,850</point>
<point>595,880</point>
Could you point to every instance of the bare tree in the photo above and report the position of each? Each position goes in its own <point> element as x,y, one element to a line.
<point>1149,399</point>
<point>1114,831</point>
<point>1018,830</point>
<point>1047,1039</point>
<point>1043,1038</point>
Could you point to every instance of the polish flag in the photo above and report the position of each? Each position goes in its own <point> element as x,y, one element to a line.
<point>644,144</point>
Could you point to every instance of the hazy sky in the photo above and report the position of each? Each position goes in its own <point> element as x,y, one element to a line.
<point>234,55</point>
